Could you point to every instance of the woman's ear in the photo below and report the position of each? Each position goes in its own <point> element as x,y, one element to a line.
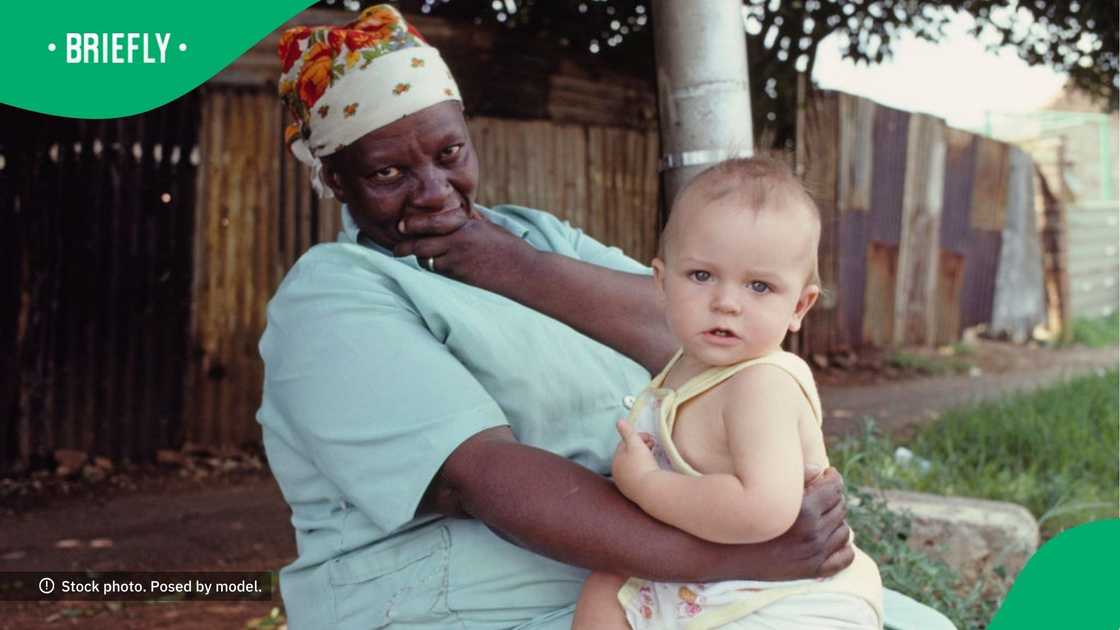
<point>332,179</point>
<point>805,302</point>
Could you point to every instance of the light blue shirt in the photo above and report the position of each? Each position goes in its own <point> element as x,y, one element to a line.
<point>375,370</point>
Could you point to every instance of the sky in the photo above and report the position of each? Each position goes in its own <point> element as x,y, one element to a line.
<point>956,79</point>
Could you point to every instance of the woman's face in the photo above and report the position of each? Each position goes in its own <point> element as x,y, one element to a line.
<point>422,163</point>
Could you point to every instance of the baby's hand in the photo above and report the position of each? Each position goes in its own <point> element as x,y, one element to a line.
<point>633,457</point>
<point>625,429</point>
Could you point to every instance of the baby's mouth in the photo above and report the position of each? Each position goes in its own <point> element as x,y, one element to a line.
<point>722,332</point>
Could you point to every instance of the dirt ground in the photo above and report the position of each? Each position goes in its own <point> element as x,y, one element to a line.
<point>200,513</point>
<point>901,400</point>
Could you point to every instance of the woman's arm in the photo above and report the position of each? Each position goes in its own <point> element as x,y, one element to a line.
<point>615,308</point>
<point>559,509</point>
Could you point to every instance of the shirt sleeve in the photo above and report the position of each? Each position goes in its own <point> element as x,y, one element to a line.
<point>561,237</point>
<point>376,400</point>
<point>592,251</point>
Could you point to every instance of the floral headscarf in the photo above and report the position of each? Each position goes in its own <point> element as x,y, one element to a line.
<point>342,82</point>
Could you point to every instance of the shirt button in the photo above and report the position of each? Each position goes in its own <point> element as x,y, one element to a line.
<point>628,402</point>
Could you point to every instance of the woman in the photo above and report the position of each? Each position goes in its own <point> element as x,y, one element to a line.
<point>441,385</point>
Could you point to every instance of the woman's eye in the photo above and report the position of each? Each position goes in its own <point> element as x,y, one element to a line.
<point>759,286</point>
<point>450,151</point>
<point>700,276</point>
<point>388,173</point>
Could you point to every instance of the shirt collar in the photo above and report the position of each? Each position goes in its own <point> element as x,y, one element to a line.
<point>349,233</point>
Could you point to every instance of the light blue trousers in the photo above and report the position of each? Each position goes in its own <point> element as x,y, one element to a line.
<point>902,613</point>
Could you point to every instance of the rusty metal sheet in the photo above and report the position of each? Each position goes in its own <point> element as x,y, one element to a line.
<point>1018,304</point>
<point>851,245</point>
<point>888,173</point>
<point>989,187</point>
<point>857,125</point>
<point>602,180</point>
<point>921,224</point>
<point>956,200</point>
<point>879,296</point>
<point>981,261</point>
<point>950,283</point>
<point>236,242</point>
<point>817,159</point>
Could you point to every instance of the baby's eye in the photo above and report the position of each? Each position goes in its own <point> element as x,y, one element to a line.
<point>759,286</point>
<point>451,151</point>
<point>387,174</point>
<point>699,275</point>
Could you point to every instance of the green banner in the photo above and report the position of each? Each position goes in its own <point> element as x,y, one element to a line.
<point>1070,582</point>
<point>107,59</point>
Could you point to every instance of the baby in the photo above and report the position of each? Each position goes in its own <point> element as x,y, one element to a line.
<point>717,443</point>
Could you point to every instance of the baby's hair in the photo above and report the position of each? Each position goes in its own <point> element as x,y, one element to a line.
<point>763,182</point>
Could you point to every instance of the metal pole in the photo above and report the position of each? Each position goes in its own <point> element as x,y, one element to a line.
<point>704,98</point>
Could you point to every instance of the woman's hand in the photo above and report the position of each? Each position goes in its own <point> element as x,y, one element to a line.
<point>818,543</point>
<point>466,247</point>
<point>613,307</point>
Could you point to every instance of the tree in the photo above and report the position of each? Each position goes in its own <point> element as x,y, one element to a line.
<point>1078,36</point>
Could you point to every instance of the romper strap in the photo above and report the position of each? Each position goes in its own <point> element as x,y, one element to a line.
<point>790,363</point>
<point>710,378</point>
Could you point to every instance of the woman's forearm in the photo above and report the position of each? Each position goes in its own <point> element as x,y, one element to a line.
<point>616,308</point>
<point>559,509</point>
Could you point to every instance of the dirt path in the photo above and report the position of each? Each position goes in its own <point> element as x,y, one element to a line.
<point>900,407</point>
<point>242,523</point>
<point>242,527</point>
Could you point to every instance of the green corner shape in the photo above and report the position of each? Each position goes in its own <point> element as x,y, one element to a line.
<point>178,45</point>
<point>1070,582</point>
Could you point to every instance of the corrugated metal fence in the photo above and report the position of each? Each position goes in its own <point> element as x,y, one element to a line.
<point>926,230</point>
<point>98,227</point>
<point>143,250</point>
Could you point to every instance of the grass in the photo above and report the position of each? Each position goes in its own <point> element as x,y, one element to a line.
<point>882,534</point>
<point>932,365</point>
<point>1053,451</point>
<point>1097,333</point>
<point>274,619</point>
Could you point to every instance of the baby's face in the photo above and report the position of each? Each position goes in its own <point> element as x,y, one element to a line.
<point>735,280</point>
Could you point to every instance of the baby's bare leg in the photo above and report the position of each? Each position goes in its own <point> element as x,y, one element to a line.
<point>598,606</point>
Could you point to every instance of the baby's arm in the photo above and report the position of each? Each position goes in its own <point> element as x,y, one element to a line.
<point>761,500</point>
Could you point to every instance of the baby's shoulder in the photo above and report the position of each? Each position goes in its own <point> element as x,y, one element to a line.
<point>761,379</point>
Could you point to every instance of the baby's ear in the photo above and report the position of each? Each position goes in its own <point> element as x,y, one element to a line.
<point>805,301</point>
<point>659,277</point>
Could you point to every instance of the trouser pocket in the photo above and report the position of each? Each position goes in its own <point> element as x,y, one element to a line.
<point>399,582</point>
